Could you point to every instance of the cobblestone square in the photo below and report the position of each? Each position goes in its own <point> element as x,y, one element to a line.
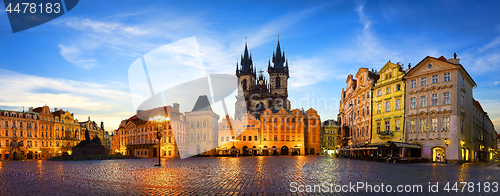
<point>224,176</point>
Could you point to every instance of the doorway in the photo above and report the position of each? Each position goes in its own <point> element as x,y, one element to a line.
<point>438,155</point>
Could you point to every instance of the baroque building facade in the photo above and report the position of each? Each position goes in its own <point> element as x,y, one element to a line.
<point>388,105</point>
<point>279,132</point>
<point>440,112</point>
<point>329,137</point>
<point>356,104</point>
<point>40,133</point>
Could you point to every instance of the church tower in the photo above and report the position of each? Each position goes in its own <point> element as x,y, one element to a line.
<point>246,74</point>
<point>257,94</point>
<point>278,79</point>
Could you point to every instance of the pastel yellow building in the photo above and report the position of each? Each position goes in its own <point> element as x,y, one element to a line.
<point>388,105</point>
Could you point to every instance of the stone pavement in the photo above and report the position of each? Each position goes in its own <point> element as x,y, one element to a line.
<point>228,176</point>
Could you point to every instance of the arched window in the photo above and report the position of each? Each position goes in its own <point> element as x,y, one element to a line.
<point>204,137</point>
<point>197,123</point>
<point>198,137</point>
<point>204,124</point>
<point>192,137</point>
<point>278,82</point>
<point>244,83</point>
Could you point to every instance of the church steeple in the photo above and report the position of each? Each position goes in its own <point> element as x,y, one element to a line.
<point>278,57</point>
<point>246,60</point>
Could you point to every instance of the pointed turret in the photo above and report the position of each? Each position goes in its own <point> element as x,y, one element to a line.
<point>246,61</point>
<point>278,57</point>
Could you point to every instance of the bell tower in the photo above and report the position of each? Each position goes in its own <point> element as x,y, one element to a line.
<point>278,78</point>
<point>247,73</point>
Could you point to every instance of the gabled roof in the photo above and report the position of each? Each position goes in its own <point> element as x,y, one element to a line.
<point>443,60</point>
<point>202,104</point>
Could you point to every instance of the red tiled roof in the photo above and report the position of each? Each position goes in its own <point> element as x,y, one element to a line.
<point>477,102</point>
<point>443,58</point>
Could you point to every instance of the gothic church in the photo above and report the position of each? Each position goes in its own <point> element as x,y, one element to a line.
<point>256,92</point>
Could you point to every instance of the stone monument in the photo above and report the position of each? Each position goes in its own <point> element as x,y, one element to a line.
<point>89,147</point>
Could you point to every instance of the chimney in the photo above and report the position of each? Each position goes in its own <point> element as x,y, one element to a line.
<point>176,106</point>
<point>454,60</point>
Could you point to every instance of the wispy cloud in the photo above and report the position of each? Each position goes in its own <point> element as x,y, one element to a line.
<point>103,100</point>
<point>308,71</point>
<point>494,43</point>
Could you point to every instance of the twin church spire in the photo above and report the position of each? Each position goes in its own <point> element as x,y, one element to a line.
<point>246,63</point>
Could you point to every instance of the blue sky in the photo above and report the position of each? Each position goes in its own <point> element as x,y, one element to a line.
<point>79,61</point>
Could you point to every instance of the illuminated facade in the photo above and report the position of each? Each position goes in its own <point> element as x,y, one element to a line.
<point>441,114</point>
<point>137,135</point>
<point>388,105</point>
<point>274,133</point>
<point>40,133</point>
<point>345,111</point>
<point>362,99</point>
<point>355,108</point>
<point>329,137</point>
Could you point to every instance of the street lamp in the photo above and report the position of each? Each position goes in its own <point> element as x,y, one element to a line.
<point>158,135</point>
<point>233,148</point>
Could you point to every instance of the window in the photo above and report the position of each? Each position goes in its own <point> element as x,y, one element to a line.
<point>388,90</point>
<point>255,138</point>
<point>397,123</point>
<point>379,93</point>
<point>222,138</point>
<point>446,123</point>
<point>275,138</point>
<point>412,126</point>
<point>363,98</point>
<point>398,87</point>
<point>413,83</point>
<point>446,98</point>
<point>378,127</point>
<point>422,125</point>
<point>412,103</point>
<point>423,101</point>
<point>378,108</point>
<point>367,95</point>
<point>446,77</point>
<point>423,81</point>
<point>434,126</point>
<point>249,138</point>
<point>282,137</point>
<point>463,98</point>
<point>227,138</point>
<point>434,100</point>
<point>387,106</point>
<point>244,138</point>
<point>398,104</point>
<point>387,126</point>
<point>435,79</point>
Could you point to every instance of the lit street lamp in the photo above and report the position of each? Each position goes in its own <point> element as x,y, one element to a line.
<point>158,135</point>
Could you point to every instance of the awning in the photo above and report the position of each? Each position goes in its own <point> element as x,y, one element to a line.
<point>270,149</point>
<point>405,145</point>
<point>366,148</point>
<point>223,150</point>
<point>295,148</point>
